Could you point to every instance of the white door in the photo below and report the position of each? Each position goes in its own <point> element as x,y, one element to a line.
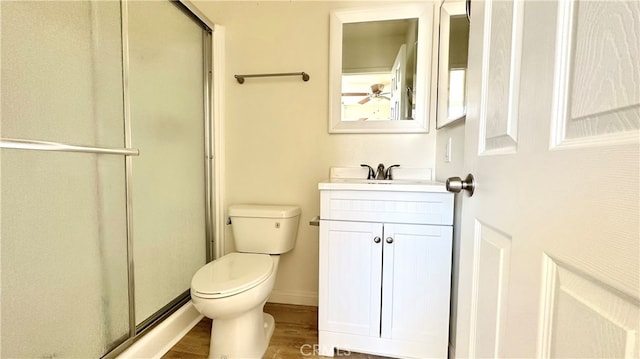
<point>550,243</point>
<point>398,76</point>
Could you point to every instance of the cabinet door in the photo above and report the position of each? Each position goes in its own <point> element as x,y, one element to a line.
<point>416,284</point>
<point>350,277</point>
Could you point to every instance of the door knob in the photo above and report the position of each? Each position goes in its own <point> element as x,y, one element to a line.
<point>377,240</point>
<point>389,240</point>
<point>456,184</point>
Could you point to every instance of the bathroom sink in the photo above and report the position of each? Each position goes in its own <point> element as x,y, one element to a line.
<point>360,184</point>
<point>364,180</point>
<point>405,180</point>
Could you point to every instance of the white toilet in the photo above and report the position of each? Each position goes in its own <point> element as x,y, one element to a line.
<point>233,289</point>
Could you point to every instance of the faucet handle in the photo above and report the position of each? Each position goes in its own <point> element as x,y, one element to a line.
<point>371,174</point>
<point>388,175</point>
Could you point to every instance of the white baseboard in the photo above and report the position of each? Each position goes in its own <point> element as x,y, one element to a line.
<point>297,297</point>
<point>165,335</point>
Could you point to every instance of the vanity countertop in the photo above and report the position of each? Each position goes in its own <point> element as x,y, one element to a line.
<point>405,180</point>
<point>399,185</point>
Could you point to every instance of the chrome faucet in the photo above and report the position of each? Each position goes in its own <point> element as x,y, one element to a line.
<point>380,173</point>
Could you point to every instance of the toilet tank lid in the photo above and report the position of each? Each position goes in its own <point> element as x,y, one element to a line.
<point>264,211</point>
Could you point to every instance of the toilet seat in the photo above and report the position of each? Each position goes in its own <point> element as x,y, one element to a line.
<point>231,274</point>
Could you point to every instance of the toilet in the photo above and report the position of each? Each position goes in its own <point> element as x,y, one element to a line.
<point>233,289</point>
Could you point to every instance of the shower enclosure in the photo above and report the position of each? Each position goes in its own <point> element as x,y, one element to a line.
<point>105,166</point>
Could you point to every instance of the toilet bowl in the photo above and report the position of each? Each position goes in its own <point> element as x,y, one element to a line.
<point>233,289</point>
<point>240,329</point>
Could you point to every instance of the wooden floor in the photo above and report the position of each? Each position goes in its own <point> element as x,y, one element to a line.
<point>295,334</point>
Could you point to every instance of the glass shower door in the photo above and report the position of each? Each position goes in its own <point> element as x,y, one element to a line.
<point>64,278</point>
<point>166,82</point>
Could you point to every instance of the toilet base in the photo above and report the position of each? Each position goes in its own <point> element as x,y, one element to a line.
<point>269,326</point>
<point>245,337</point>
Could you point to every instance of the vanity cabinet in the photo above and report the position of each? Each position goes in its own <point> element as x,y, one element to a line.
<point>385,271</point>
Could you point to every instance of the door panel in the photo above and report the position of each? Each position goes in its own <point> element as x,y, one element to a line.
<point>554,270</point>
<point>596,82</point>
<point>166,84</point>
<point>501,76</point>
<point>64,269</point>
<point>490,287</point>
<point>350,275</point>
<point>602,314</point>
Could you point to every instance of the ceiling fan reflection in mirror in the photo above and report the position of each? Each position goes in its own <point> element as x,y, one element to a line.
<point>376,92</point>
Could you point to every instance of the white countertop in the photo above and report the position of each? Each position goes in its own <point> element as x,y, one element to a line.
<point>399,185</point>
<point>405,180</point>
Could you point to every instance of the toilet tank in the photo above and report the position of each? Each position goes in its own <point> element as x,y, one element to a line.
<point>269,229</point>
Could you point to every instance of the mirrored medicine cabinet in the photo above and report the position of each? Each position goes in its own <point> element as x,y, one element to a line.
<point>379,66</point>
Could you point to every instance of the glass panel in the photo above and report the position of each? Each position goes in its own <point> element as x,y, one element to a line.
<point>64,254</point>
<point>456,102</point>
<point>64,247</point>
<point>62,72</point>
<point>167,119</point>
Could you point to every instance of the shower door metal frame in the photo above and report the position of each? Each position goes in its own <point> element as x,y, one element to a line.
<point>213,141</point>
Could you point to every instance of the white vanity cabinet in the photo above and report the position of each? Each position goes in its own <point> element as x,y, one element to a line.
<point>385,271</point>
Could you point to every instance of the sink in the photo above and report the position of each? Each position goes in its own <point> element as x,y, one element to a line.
<point>421,182</point>
<point>364,180</point>
<point>382,185</point>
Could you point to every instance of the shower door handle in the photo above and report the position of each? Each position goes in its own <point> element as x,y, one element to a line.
<point>22,144</point>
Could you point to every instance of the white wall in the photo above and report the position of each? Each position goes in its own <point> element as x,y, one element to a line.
<point>277,144</point>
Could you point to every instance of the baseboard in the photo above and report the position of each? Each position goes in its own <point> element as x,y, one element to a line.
<point>165,335</point>
<point>297,297</point>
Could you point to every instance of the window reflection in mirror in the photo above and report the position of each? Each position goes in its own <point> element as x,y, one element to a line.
<point>452,63</point>
<point>458,45</point>
<point>378,70</point>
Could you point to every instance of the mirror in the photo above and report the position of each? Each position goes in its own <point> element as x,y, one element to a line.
<point>379,65</point>
<point>452,63</point>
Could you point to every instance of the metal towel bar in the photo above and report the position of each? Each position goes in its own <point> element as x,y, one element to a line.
<point>305,76</point>
<point>22,144</point>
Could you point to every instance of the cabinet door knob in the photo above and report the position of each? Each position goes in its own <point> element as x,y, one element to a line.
<point>377,240</point>
<point>389,240</point>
